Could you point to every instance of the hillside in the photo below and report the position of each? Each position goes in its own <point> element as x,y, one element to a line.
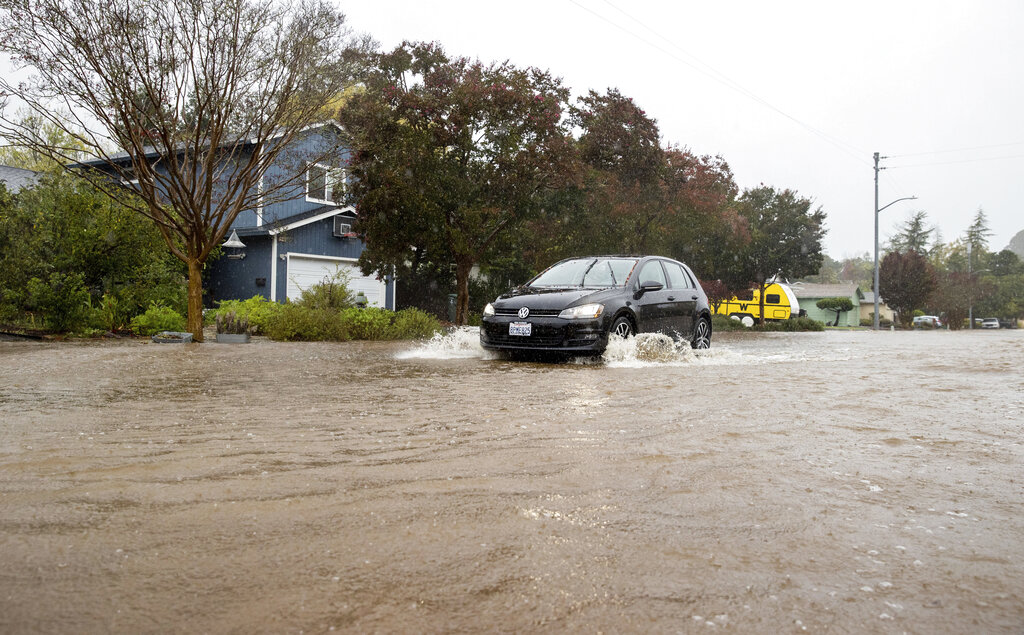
<point>1017,244</point>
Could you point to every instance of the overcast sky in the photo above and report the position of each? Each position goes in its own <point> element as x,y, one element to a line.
<point>792,94</point>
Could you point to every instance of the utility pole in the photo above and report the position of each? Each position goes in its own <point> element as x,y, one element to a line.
<point>877,211</point>
<point>875,317</point>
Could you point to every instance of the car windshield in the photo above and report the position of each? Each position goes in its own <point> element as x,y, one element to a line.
<point>601,273</point>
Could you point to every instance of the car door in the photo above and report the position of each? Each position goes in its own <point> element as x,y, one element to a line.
<point>683,299</point>
<point>653,307</point>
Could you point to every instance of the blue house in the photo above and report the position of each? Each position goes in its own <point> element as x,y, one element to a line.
<point>299,236</point>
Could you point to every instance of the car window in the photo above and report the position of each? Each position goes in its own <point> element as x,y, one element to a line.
<point>652,272</point>
<point>586,272</point>
<point>564,274</point>
<point>772,298</point>
<point>676,276</point>
<point>600,275</point>
<point>621,268</point>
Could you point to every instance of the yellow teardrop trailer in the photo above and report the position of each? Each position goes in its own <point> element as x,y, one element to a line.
<point>779,303</point>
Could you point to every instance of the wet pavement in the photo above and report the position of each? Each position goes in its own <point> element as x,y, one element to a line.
<point>838,482</point>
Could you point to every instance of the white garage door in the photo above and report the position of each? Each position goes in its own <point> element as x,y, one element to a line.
<point>306,271</point>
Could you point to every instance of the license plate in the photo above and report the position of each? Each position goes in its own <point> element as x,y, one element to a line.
<point>520,328</point>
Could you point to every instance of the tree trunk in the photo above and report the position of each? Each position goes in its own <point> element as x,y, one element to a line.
<point>462,268</point>
<point>760,300</point>
<point>195,300</point>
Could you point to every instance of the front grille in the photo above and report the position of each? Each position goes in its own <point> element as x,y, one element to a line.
<point>533,312</point>
<point>543,336</point>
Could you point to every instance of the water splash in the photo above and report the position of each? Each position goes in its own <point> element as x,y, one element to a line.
<point>648,349</point>
<point>642,351</point>
<point>459,343</point>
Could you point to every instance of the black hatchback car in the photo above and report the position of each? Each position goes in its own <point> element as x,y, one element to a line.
<point>574,305</point>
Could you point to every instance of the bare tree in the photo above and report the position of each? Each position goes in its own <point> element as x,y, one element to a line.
<point>186,103</point>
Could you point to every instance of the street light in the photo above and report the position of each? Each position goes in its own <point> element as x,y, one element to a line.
<point>877,211</point>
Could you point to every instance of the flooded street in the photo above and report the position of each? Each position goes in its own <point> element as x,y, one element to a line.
<point>829,482</point>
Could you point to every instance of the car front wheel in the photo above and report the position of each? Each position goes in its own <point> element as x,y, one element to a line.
<point>701,334</point>
<point>622,327</point>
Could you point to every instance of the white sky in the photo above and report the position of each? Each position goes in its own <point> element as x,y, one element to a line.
<point>899,78</point>
<point>937,86</point>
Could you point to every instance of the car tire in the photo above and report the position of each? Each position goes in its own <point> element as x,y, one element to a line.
<point>701,334</point>
<point>623,327</point>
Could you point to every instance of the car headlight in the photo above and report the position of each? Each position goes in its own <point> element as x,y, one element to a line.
<point>584,312</point>
<point>489,309</point>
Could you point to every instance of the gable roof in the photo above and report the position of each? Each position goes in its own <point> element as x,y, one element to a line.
<point>809,290</point>
<point>17,178</point>
<point>296,221</point>
<point>153,153</point>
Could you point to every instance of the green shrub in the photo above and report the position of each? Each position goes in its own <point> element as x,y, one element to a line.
<point>230,324</point>
<point>412,324</point>
<point>158,318</point>
<point>332,293</point>
<point>367,324</point>
<point>793,324</point>
<point>721,323</point>
<point>295,322</point>
<point>257,311</point>
<point>111,315</point>
<point>62,299</point>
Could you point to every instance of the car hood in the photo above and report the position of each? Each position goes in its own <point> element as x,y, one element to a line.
<point>552,298</point>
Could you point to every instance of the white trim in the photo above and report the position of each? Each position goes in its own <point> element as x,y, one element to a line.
<point>319,257</point>
<point>312,219</point>
<point>328,184</point>
<point>259,191</point>
<point>273,270</point>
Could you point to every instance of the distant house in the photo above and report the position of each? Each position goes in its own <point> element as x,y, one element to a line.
<point>867,307</point>
<point>809,294</point>
<point>15,179</point>
<point>299,238</point>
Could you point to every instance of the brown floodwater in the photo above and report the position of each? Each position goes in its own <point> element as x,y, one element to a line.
<point>841,482</point>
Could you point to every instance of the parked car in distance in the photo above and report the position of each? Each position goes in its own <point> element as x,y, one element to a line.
<point>573,306</point>
<point>990,323</point>
<point>927,322</point>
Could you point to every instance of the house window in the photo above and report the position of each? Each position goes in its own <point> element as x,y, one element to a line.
<point>321,183</point>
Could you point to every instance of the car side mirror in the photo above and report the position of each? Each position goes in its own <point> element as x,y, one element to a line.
<point>650,285</point>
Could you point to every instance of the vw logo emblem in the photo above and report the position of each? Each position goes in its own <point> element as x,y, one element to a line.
<point>524,313</point>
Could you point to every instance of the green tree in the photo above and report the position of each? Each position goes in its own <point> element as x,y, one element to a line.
<point>451,156</point>
<point>784,237</point>
<point>914,235</point>
<point>625,169</point>
<point>837,304</point>
<point>951,298</point>
<point>906,280</point>
<point>977,234</point>
<point>48,135</point>
<point>66,228</point>
<point>201,96</point>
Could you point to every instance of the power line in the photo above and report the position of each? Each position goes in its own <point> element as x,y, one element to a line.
<point>921,165</point>
<point>719,77</point>
<point>918,154</point>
